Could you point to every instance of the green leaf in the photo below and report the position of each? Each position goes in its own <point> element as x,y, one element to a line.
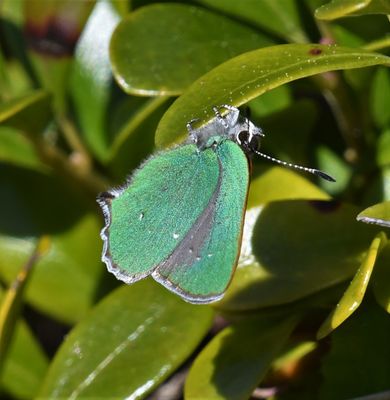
<point>378,214</point>
<point>380,98</point>
<point>329,160</point>
<point>271,102</point>
<point>65,281</point>
<point>292,249</point>
<point>29,113</point>
<point>358,361</point>
<point>25,365</point>
<point>162,48</point>
<point>131,342</point>
<point>346,8</point>
<point>122,7</point>
<point>356,290</point>
<point>381,278</point>
<point>383,148</point>
<point>16,149</point>
<point>91,77</point>
<point>251,74</point>
<point>379,44</point>
<point>278,183</point>
<point>280,17</point>
<point>233,364</point>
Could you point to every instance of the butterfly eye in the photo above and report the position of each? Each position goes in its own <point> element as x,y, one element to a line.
<point>243,137</point>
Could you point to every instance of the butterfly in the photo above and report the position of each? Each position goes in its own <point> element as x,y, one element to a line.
<point>180,215</point>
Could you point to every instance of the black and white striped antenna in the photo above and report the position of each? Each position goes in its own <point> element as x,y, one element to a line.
<point>314,171</point>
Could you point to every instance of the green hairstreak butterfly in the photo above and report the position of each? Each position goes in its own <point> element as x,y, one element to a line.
<point>179,217</point>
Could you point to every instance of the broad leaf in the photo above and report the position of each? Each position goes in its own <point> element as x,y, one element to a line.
<point>233,364</point>
<point>356,290</point>
<point>162,48</point>
<point>133,340</point>
<point>91,78</point>
<point>344,8</point>
<point>249,75</point>
<point>280,17</point>
<point>378,214</point>
<point>292,249</point>
<point>66,280</point>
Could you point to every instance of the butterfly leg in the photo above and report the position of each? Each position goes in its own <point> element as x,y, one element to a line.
<point>230,119</point>
<point>191,131</point>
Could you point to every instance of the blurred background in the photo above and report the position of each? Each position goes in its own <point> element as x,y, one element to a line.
<point>88,90</point>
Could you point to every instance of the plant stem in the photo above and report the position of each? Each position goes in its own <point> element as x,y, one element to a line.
<point>71,167</point>
<point>13,299</point>
<point>73,139</point>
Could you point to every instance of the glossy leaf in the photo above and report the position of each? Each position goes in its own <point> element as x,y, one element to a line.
<point>292,249</point>
<point>271,102</point>
<point>344,8</point>
<point>356,290</point>
<point>381,278</point>
<point>378,214</point>
<point>278,183</point>
<point>29,113</point>
<point>25,365</point>
<point>280,17</point>
<point>65,281</point>
<point>91,78</point>
<point>233,364</point>
<point>133,340</point>
<point>251,74</point>
<point>162,48</point>
<point>358,361</point>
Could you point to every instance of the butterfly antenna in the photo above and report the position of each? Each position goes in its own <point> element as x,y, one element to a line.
<point>294,166</point>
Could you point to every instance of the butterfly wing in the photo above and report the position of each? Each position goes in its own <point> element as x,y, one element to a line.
<point>147,218</point>
<point>201,266</point>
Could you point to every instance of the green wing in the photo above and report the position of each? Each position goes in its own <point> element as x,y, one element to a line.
<point>201,266</point>
<point>155,210</point>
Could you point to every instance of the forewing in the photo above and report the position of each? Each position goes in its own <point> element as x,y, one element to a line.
<point>150,216</point>
<point>201,266</point>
